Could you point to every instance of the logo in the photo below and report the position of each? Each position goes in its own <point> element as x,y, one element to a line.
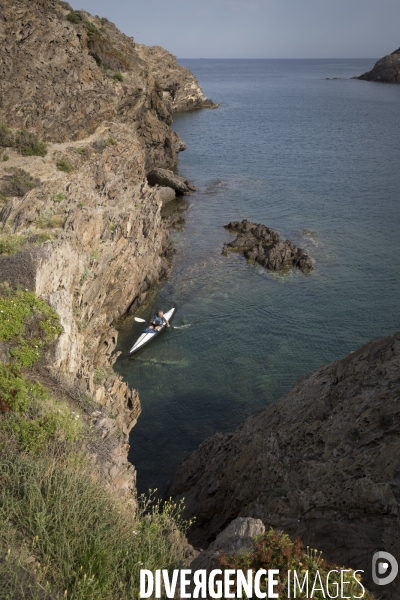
<point>384,568</point>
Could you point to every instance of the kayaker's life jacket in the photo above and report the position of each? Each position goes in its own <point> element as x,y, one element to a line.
<point>158,320</point>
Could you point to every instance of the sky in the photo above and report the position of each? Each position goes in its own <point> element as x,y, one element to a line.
<point>257,28</point>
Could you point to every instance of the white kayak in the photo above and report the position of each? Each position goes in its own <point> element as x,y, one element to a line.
<point>145,338</point>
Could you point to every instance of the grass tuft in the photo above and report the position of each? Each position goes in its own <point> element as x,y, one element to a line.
<point>65,165</point>
<point>26,142</point>
<point>11,243</point>
<point>85,541</point>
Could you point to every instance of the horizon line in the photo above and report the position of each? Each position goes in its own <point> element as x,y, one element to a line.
<point>266,58</point>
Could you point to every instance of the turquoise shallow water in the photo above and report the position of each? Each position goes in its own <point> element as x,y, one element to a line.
<point>317,160</point>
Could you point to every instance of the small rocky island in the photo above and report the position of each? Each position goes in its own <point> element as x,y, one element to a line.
<point>386,70</point>
<point>265,246</point>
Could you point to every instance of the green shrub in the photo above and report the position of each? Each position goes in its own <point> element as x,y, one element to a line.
<point>18,182</point>
<point>276,549</point>
<point>6,137</point>
<point>65,165</point>
<point>46,420</point>
<point>86,275</point>
<point>44,219</point>
<point>14,388</point>
<point>100,375</point>
<point>27,325</point>
<point>119,76</point>
<point>58,197</point>
<point>11,243</point>
<point>73,17</point>
<point>81,150</point>
<point>77,18</point>
<point>20,311</point>
<point>3,198</point>
<point>28,144</point>
<point>5,157</point>
<point>92,29</point>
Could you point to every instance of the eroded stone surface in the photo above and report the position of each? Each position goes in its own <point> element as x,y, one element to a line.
<point>321,464</point>
<point>235,538</point>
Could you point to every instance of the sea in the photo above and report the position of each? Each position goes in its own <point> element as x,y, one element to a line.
<point>301,147</point>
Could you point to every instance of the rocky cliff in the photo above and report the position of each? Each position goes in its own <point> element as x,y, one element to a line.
<point>321,464</point>
<point>79,224</point>
<point>386,70</point>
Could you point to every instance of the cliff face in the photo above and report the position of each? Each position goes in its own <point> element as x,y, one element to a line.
<point>322,463</point>
<point>93,238</point>
<point>386,70</point>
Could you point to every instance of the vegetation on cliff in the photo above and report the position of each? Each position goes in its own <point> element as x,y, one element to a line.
<point>274,549</point>
<point>63,534</point>
<point>25,142</point>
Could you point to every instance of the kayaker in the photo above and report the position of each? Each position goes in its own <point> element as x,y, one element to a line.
<point>150,329</point>
<point>158,320</point>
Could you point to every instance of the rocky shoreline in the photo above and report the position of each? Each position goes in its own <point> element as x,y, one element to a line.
<point>86,225</point>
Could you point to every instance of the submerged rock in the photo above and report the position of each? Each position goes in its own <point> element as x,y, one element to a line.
<point>165,178</point>
<point>265,246</point>
<point>386,70</point>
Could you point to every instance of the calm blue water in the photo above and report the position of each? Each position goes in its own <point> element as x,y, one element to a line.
<point>317,160</point>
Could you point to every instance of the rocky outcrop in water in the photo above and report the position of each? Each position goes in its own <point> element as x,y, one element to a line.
<point>266,247</point>
<point>166,178</point>
<point>386,70</point>
<point>79,224</point>
<point>321,464</point>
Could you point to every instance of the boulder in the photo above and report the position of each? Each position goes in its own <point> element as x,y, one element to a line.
<point>165,178</point>
<point>166,194</point>
<point>237,537</point>
<point>264,245</point>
